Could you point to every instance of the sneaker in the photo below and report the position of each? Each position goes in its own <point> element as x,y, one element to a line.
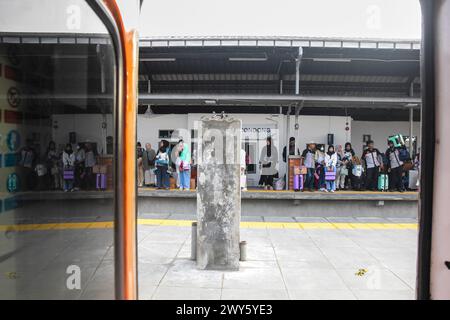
<point>332,191</point>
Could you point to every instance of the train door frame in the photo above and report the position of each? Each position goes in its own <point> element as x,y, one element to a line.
<point>125,43</point>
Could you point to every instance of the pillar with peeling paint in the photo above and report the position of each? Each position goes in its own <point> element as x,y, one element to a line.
<point>218,192</point>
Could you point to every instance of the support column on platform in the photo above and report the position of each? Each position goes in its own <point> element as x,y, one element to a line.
<point>218,192</point>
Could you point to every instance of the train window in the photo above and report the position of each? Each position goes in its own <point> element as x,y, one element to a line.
<point>57,141</point>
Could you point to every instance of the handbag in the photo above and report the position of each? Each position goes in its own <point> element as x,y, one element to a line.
<point>408,166</point>
<point>185,166</point>
<point>68,174</point>
<point>344,171</point>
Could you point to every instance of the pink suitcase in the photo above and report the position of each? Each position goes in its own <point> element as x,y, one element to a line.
<point>101,181</point>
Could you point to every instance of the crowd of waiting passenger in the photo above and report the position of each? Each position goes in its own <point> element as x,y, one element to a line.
<point>67,169</point>
<point>155,167</point>
<point>323,170</point>
<point>341,169</point>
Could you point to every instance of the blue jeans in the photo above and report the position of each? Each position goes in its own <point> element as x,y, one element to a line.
<point>68,185</point>
<point>330,184</point>
<point>185,179</point>
<point>321,172</point>
<point>309,181</point>
<point>162,177</point>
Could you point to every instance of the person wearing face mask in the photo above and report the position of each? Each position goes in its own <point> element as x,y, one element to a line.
<point>373,163</point>
<point>330,169</point>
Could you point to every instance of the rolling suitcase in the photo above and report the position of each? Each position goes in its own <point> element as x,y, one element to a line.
<point>298,182</point>
<point>413,179</point>
<point>383,182</point>
<point>101,181</point>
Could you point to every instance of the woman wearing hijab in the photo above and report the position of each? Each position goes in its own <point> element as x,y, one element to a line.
<point>347,162</point>
<point>330,167</point>
<point>185,166</point>
<point>68,159</point>
<point>268,161</point>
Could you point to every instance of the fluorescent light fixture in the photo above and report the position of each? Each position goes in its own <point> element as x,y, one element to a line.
<point>247,59</point>
<point>210,102</point>
<point>158,59</point>
<point>332,60</point>
<point>412,105</point>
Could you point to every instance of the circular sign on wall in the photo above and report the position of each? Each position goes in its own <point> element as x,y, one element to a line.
<point>13,183</point>
<point>13,140</point>
<point>13,96</point>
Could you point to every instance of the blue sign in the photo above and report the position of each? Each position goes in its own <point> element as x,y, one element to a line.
<point>13,182</point>
<point>13,140</point>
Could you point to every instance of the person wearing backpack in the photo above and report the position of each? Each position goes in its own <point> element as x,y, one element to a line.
<point>162,164</point>
<point>373,163</point>
<point>395,167</point>
<point>148,162</point>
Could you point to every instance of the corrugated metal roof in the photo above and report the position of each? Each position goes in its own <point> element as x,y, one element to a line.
<point>275,77</point>
<point>279,41</point>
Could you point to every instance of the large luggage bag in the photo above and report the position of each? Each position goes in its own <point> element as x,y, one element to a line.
<point>413,178</point>
<point>298,182</point>
<point>383,182</point>
<point>101,181</point>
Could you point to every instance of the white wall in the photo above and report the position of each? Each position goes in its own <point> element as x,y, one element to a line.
<point>316,128</point>
<point>88,127</point>
<point>311,128</point>
<point>148,126</point>
<point>380,131</point>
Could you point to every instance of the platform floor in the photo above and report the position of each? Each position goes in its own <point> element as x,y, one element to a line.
<point>288,258</point>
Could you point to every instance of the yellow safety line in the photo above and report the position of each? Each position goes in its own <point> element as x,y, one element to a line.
<point>309,192</point>
<point>186,223</point>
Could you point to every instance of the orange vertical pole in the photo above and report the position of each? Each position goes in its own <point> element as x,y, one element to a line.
<point>126,251</point>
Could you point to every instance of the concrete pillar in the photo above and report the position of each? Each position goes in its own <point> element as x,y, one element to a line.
<point>218,193</point>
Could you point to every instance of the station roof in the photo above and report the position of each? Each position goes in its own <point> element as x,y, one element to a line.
<point>265,66</point>
<point>329,67</point>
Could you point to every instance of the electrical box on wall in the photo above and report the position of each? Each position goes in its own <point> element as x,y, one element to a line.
<point>330,139</point>
<point>72,137</point>
<point>109,145</point>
